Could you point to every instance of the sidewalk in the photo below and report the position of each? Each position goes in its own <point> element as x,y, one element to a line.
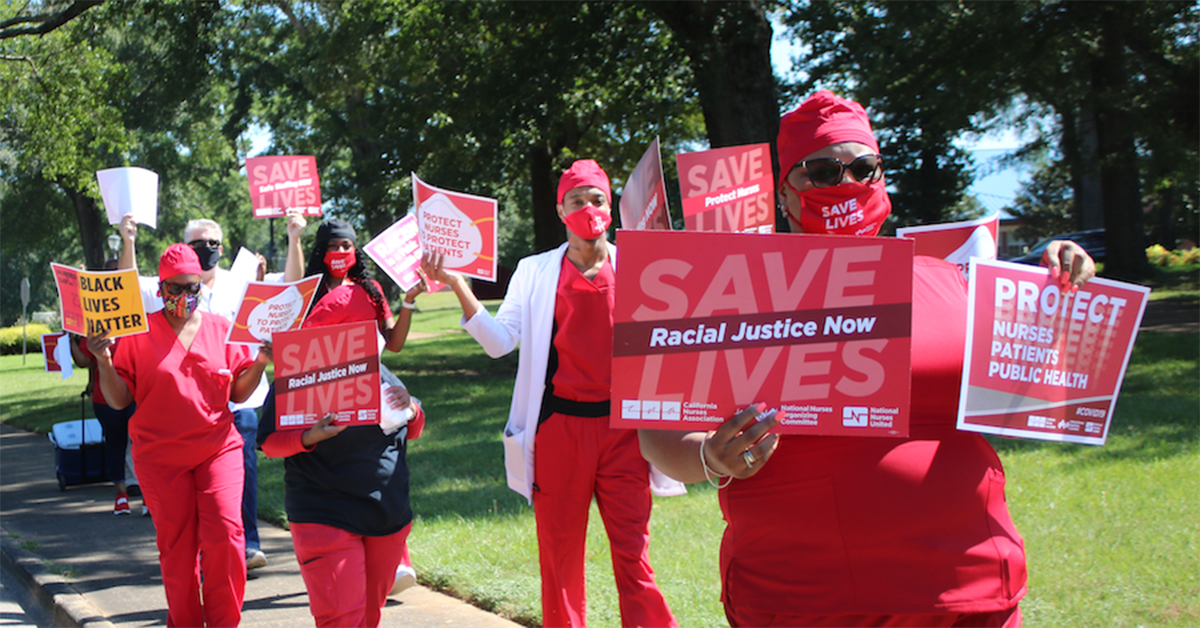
<point>88,567</point>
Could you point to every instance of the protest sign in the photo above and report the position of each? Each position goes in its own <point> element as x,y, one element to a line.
<point>956,242</point>
<point>706,324</point>
<point>129,191</point>
<point>228,299</point>
<point>644,199</point>
<point>397,250</point>
<point>97,300</point>
<point>270,308</point>
<point>57,350</point>
<point>319,370</point>
<point>728,189</point>
<point>279,183</point>
<point>460,226</point>
<point>1041,363</point>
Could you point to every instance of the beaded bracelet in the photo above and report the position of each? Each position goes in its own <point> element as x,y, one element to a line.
<point>708,472</point>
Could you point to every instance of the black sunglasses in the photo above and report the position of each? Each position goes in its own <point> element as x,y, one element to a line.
<point>175,289</point>
<point>212,244</point>
<point>827,172</point>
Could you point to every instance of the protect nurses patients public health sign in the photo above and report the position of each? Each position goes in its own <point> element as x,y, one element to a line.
<point>708,323</point>
<point>1042,363</point>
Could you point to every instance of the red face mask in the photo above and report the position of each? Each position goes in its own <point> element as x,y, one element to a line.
<point>339,262</point>
<point>588,222</point>
<point>845,209</point>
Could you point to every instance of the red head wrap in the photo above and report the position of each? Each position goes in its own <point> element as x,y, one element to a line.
<point>819,121</point>
<point>849,209</point>
<point>584,172</point>
<point>178,259</point>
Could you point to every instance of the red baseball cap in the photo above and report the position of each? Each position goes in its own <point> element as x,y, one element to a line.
<point>178,259</point>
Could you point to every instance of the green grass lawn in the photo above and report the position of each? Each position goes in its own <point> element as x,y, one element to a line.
<point>1113,532</point>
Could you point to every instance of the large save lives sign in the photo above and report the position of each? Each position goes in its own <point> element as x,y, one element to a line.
<point>708,323</point>
<point>327,369</point>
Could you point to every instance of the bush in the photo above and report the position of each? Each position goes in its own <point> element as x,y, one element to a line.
<point>1158,255</point>
<point>10,338</point>
<point>1161,257</point>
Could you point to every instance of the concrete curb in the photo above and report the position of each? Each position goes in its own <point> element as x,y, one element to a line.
<point>47,593</point>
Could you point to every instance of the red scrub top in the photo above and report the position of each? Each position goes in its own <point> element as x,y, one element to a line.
<point>93,381</point>
<point>347,303</point>
<point>583,315</point>
<point>882,525</point>
<point>182,395</point>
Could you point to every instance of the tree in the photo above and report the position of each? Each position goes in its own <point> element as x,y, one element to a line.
<point>55,15</point>
<point>1117,75</point>
<point>125,84</point>
<point>728,46</point>
<point>490,98</point>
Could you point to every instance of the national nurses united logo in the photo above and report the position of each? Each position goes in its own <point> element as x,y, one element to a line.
<point>854,416</point>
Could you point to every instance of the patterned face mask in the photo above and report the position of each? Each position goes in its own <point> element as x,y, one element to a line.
<point>181,305</point>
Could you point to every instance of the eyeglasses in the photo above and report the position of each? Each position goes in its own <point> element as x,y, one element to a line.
<point>827,172</point>
<point>212,244</point>
<point>175,289</point>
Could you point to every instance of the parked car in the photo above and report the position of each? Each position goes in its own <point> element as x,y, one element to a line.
<point>1091,240</point>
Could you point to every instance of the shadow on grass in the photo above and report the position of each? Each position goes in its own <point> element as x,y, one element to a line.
<point>457,466</point>
<point>1157,415</point>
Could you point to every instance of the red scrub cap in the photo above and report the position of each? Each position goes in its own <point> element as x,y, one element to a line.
<point>819,121</point>
<point>178,259</point>
<point>584,172</point>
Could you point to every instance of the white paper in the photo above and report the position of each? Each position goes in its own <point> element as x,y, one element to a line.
<point>62,355</point>
<point>130,191</point>
<point>233,284</point>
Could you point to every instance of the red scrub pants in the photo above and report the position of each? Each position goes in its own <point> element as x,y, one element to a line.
<point>198,527</point>
<point>348,576</point>
<point>576,459</point>
<point>1010,618</point>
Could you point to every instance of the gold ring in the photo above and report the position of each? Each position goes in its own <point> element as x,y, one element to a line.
<point>749,458</point>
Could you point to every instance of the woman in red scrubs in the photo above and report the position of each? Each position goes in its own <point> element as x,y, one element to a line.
<point>854,531</point>
<point>187,451</point>
<point>347,496</point>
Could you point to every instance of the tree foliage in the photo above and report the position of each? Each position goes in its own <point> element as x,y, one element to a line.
<point>1120,79</point>
<point>27,22</point>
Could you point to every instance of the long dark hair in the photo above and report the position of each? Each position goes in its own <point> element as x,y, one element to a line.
<point>328,230</point>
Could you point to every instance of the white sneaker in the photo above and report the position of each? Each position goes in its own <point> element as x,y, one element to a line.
<point>406,578</point>
<point>255,558</point>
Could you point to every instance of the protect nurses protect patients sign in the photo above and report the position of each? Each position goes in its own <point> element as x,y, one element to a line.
<point>1042,363</point>
<point>707,323</point>
<point>460,226</point>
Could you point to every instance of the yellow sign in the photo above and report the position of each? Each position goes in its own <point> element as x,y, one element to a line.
<point>100,300</point>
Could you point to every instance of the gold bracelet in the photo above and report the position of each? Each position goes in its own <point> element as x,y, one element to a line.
<point>708,472</point>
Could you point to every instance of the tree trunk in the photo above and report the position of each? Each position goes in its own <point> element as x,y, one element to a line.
<point>1090,193</point>
<point>547,228</point>
<point>92,221</point>
<point>1126,254</point>
<point>729,51</point>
